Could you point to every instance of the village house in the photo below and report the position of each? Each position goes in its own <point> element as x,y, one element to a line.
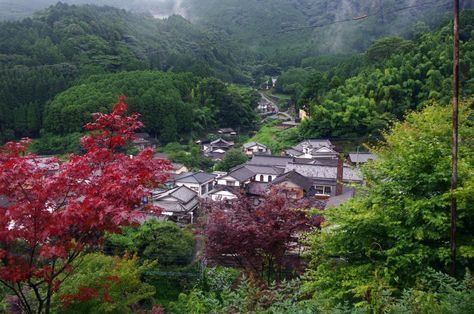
<point>227,131</point>
<point>329,178</point>
<point>238,176</point>
<point>178,204</point>
<point>361,158</point>
<point>144,140</point>
<point>200,182</point>
<point>217,149</point>
<point>253,148</point>
<point>294,185</point>
<point>313,148</point>
<point>225,193</point>
<point>177,167</point>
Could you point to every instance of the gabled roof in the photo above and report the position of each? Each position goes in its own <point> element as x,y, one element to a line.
<point>241,173</point>
<point>361,157</point>
<point>142,135</point>
<point>182,194</point>
<point>160,156</point>
<point>251,144</point>
<point>221,142</point>
<point>316,171</point>
<point>317,161</point>
<point>295,178</point>
<point>314,143</point>
<point>231,189</point>
<point>4,202</point>
<point>197,177</point>
<point>263,169</point>
<point>177,166</point>
<point>322,150</point>
<point>269,160</point>
<point>257,188</point>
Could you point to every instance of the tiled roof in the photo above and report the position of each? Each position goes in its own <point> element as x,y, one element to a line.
<point>323,172</point>
<point>296,178</point>
<point>142,135</point>
<point>186,200</point>
<point>231,189</point>
<point>257,188</point>
<point>314,143</point>
<point>361,157</point>
<point>242,173</point>
<point>250,144</point>
<point>184,194</point>
<point>317,161</point>
<point>197,177</point>
<point>160,156</point>
<point>270,160</point>
<point>4,202</point>
<point>261,169</point>
<point>221,142</point>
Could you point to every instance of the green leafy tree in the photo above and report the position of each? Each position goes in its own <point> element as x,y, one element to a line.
<point>113,283</point>
<point>163,242</point>
<point>398,226</point>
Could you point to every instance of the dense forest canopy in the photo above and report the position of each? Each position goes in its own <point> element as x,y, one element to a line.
<point>395,76</point>
<point>347,95</point>
<point>46,54</point>
<point>170,103</point>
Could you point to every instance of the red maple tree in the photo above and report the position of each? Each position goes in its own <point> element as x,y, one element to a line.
<point>48,218</point>
<point>260,239</point>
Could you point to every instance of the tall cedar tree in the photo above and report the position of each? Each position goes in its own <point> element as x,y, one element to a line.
<point>51,218</point>
<point>258,238</point>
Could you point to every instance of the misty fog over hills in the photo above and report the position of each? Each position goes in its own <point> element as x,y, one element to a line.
<point>264,26</point>
<point>17,9</point>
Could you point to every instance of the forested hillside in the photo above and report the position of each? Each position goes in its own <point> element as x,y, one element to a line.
<point>395,76</point>
<point>44,55</point>
<point>170,104</point>
<point>285,31</point>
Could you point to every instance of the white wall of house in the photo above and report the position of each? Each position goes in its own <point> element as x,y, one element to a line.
<point>265,177</point>
<point>192,186</point>
<point>201,189</point>
<point>222,196</point>
<point>228,181</point>
<point>255,149</point>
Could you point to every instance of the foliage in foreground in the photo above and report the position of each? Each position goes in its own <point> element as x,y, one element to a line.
<point>387,237</point>
<point>259,238</point>
<point>49,220</point>
<point>400,76</point>
<point>163,242</point>
<point>112,283</point>
<point>223,293</point>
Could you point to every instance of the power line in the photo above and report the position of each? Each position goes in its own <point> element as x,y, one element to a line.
<point>362,18</point>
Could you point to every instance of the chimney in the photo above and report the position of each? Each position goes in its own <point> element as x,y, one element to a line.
<point>339,176</point>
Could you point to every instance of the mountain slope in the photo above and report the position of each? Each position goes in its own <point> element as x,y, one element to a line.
<point>266,25</point>
<point>44,55</point>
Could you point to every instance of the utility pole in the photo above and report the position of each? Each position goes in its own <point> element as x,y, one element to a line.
<point>455,140</point>
<point>382,15</point>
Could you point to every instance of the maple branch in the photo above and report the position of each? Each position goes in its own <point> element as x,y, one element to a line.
<point>23,299</point>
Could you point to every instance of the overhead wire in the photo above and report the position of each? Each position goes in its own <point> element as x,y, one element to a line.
<point>362,18</point>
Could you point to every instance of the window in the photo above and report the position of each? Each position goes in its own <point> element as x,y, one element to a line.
<point>203,189</point>
<point>261,178</point>
<point>270,178</point>
<point>323,190</point>
<point>210,186</point>
<point>230,183</point>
